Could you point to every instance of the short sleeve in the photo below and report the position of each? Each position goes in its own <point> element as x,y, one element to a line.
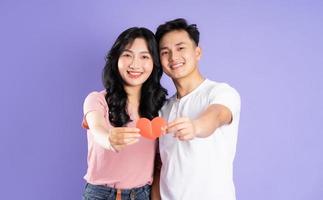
<point>227,96</point>
<point>95,101</point>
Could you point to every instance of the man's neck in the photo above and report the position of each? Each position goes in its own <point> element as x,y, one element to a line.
<point>187,84</point>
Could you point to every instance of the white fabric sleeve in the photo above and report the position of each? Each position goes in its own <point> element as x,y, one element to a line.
<point>227,96</point>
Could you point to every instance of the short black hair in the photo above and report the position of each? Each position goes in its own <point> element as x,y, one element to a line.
<point>178,24</point>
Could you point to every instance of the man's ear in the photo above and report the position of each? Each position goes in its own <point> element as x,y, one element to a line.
<point>198,52</point>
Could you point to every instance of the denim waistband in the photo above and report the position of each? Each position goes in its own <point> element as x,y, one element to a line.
<point>123,191</point>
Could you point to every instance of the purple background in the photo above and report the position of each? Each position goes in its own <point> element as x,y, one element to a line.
<point>52,54</point>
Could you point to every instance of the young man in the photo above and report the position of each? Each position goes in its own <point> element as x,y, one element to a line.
<point>198,150</point>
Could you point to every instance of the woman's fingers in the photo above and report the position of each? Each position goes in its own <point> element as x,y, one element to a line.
<point>123,136</point>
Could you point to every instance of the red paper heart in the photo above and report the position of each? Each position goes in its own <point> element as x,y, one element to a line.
<point>151,129</point>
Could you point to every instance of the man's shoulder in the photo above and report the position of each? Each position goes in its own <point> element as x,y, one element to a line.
<point>213,86</point>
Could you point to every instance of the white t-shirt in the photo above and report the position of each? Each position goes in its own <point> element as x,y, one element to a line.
<point>200,169</point>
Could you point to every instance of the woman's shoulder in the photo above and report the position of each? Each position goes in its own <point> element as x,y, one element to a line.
<point>96,96</point>
<point>95,93</point>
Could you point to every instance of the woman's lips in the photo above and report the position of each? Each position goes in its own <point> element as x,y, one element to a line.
<point>134,74</point>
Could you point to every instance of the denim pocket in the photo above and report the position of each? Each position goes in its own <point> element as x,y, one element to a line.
<point>144,194</point>
<point>94,192</point>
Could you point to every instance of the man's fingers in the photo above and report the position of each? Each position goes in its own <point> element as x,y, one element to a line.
<point>163,130</point>
<point>176,121</point>
<point>181,133</point>
<point>186,137</point>
<point>179,127</point>
<point>184,134</point>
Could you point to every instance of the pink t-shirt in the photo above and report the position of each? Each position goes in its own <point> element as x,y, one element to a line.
<point>131,167</point>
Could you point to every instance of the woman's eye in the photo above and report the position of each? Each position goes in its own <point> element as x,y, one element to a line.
<point>126,55</point>
<point>164,53</point>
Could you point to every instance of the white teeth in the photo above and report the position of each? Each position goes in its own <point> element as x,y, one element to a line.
<point>135,73</point>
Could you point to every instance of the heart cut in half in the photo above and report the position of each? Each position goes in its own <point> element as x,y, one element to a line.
<point>151,129</point>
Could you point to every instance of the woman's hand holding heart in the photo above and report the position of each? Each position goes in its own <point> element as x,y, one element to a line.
<point>121,137</point>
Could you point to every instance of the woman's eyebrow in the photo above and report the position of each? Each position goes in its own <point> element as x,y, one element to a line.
<point>141,52</point>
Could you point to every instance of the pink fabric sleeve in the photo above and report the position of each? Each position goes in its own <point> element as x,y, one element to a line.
<point>95,101</point>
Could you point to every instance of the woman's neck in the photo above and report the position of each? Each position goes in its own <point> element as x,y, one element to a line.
<point>133,95</point>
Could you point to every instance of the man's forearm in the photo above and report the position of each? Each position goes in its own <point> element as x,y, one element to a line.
<point>211,119</point>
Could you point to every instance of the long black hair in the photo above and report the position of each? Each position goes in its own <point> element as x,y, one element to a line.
<point>153,95</point>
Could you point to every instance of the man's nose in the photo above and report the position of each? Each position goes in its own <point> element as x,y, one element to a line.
<point>174,55</point>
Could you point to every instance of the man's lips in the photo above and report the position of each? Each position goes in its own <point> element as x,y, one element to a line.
<point>176,65</point>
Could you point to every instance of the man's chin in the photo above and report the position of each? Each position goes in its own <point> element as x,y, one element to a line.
<point>177,76</point>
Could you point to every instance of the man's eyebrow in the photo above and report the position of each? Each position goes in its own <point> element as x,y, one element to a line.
<point>180,43</point>
<point>163,48</point>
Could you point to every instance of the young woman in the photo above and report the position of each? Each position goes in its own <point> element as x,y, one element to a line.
<point>120,161</point>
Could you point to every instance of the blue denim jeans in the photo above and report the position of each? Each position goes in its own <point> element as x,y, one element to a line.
<point>101,192</point>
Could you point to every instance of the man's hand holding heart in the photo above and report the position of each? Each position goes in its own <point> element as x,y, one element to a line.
<point>183,128</point>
